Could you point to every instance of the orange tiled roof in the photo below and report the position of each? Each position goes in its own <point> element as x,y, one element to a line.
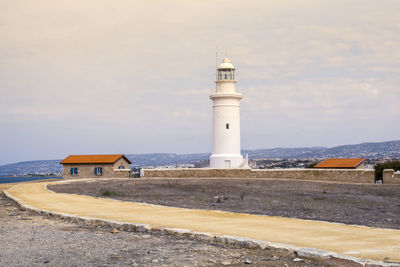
<point>340,163</point>
<point>88,159</point>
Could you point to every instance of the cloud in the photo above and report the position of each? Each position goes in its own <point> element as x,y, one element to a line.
<point>138,73</point>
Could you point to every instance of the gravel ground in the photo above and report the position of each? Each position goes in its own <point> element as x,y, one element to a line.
<point>28,239</point>
<point>371,205</point>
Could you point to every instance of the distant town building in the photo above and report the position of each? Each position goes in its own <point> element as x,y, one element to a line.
<point>341,164</point>
<point>96,166</point>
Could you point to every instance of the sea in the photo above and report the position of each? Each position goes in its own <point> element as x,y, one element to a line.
<point>18,179</point>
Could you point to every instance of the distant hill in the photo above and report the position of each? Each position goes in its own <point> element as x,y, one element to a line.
<point>279,152</point>
<point>158,159</point>
<point>30,167</point>
<point>389,149</point>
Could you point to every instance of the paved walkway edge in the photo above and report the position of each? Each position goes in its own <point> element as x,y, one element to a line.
<point>230,241</point>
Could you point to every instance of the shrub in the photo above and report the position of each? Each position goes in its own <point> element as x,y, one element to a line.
<point>312,165</point>
<point>395,165</point>
<point>108,193</point>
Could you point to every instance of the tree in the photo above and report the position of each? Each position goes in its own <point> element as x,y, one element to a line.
<point>395,165</point>
<point>312,165</point>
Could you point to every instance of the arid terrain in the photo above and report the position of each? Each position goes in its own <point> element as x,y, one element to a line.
<point>27,239</point>
<point>374,205</point>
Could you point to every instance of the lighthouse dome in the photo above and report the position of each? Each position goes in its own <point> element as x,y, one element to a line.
<point>226,64</point>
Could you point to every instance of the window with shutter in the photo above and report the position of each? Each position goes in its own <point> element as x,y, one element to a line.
<point>98,170</point>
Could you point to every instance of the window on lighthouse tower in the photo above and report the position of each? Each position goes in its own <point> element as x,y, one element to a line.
<point>227,126</point>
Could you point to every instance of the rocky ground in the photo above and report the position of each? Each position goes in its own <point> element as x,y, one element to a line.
<point>28,239</point>
<point>363,204</point>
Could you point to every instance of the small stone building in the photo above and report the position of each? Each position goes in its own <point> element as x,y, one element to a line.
<point>96,166</point>
<point>341,164</point>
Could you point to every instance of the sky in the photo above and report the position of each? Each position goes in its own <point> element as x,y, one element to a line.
<point>98,77</point>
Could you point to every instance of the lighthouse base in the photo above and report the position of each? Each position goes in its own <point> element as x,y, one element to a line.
<point>225,161</point>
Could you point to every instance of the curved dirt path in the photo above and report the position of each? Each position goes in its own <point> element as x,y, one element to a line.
<point>357,241</point>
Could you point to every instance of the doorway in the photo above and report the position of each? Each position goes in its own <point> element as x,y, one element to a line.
<point>227,164</point>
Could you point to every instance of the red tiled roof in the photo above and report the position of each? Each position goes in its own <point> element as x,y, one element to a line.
<point>88,159</point>
<point>340,163</point>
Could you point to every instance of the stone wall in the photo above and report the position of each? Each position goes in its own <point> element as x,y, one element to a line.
<point>334,175</point>
<point>193,172</point>
<point>122,173</point>
<point>87,171</point>
<point>390,177</point>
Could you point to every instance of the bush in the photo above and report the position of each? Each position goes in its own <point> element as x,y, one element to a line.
<point>312,165</point>
<point>108,193</point>
<point>395,165</point>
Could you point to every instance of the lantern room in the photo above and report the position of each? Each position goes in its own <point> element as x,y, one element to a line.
<point>226,71</point>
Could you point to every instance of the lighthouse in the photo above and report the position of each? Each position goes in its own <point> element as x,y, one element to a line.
<point>226,119</point>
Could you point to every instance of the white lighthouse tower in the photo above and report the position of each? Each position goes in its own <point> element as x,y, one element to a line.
<point>226,119</point>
